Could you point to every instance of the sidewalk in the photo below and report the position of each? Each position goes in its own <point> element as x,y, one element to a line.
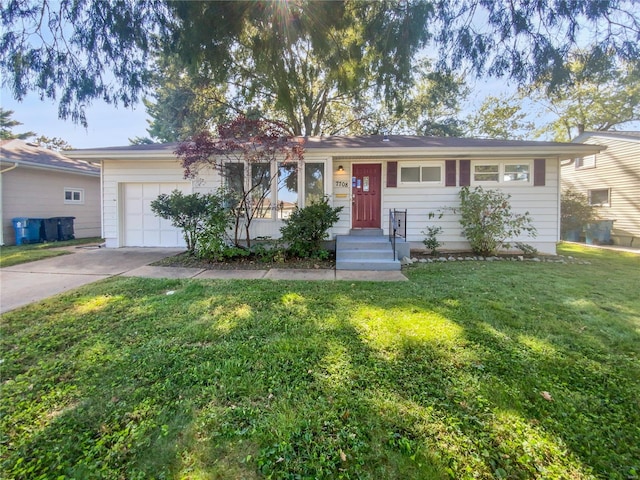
<point>272,274</point>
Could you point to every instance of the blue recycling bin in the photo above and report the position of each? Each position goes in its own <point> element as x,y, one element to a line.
<point>21,230</point>
<point>27,230</point>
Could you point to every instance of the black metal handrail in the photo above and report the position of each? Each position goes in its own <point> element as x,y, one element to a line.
<point>397,227</point>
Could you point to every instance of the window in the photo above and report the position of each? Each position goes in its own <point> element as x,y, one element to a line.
<point>599,197</point>
<point>261,190</point>
<point>516,172</point>
<point>274,190</point>
<point>421,174</point>
<point>502,173</point>
<point>287,189</point>
<point>586,162</point>
<point>74,196</point>
<point>313,183</point>
<point>486,173</point>
<point>234,177</point>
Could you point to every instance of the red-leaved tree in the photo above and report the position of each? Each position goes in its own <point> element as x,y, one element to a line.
<point>243,152</point>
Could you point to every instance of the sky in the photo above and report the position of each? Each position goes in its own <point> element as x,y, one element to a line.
<point>108,126</point>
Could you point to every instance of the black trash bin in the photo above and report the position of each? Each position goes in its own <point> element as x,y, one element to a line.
<point>65,228</point>
<point>50,227</point>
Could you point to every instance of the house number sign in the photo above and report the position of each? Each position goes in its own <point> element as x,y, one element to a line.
<point>342,184</point>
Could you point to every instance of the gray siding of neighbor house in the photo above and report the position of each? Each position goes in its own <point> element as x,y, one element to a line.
<point>39,193</point>
<point>618,169</point>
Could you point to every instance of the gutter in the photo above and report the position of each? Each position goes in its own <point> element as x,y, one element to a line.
<point>55,168</point>
<point>15,165</point>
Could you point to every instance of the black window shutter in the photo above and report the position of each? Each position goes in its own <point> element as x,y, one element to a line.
<point>450,173</point>
<point>392,174</point>
<point>539,172</point>
<point>465,173</point>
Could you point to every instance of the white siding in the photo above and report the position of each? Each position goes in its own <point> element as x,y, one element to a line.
<point>117,173</point>
<point>617,168</point>
<point>541,202</point>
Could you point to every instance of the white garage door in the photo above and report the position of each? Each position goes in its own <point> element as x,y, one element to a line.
<point>141,227</point>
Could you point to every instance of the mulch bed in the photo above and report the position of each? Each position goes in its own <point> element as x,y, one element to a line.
<point>245,263</point>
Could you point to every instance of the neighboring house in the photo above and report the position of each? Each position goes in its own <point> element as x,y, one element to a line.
<point>40,183</point>
<point>611,181</point>
<point>368,176</point>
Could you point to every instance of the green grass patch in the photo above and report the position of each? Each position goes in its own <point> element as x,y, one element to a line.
<point>470,370</point>
<point>16,254</point>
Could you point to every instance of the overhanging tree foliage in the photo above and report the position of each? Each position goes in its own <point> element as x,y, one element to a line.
<point>243,153</point>
<point>79,50</point>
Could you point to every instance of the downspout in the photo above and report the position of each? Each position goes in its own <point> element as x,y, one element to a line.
<point>15,165</point>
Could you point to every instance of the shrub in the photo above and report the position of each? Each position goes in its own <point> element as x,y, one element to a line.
<point>575,211</point>
<point>488,222</point>
<point>202,218</point>
<point>211,241</point>
<point>431,239</point>
<point>307,227</point>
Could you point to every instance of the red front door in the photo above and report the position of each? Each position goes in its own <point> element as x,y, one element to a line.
<point>365,195</point>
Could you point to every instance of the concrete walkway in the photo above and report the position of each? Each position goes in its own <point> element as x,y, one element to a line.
<point>31,282</point>
<point>272,274</point>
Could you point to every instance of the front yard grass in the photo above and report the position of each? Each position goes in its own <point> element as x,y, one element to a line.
<point>470,370</point>
<point>16,254</point>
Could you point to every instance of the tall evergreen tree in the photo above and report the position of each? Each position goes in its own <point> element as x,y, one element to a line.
<point>7,124</point>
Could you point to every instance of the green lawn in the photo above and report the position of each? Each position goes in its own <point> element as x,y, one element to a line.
<point>16,254</point>
<point>470,370</point>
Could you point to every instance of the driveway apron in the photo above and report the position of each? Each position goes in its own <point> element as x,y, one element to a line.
<point>34,281</point>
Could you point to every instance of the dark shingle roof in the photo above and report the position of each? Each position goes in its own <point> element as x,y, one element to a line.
<point>23,153</point>
<point>416,141</point>
<point>372,144</point>
<point>622,135</point>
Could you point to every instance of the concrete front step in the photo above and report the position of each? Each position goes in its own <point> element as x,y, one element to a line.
<point>348,241</point>
<point>365,232</point>
<point>386,265</point>
<point>386,254</point>
<point>364,252</point>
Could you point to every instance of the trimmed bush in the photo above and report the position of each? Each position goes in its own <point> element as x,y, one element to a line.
<point>307,227</point>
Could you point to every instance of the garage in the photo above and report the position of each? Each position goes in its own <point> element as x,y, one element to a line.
<point>141,227</point>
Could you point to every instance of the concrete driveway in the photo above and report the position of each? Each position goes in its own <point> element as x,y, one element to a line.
<point>30,282</point>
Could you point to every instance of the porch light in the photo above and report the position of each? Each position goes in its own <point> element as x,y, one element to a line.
<point>340,169</point>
